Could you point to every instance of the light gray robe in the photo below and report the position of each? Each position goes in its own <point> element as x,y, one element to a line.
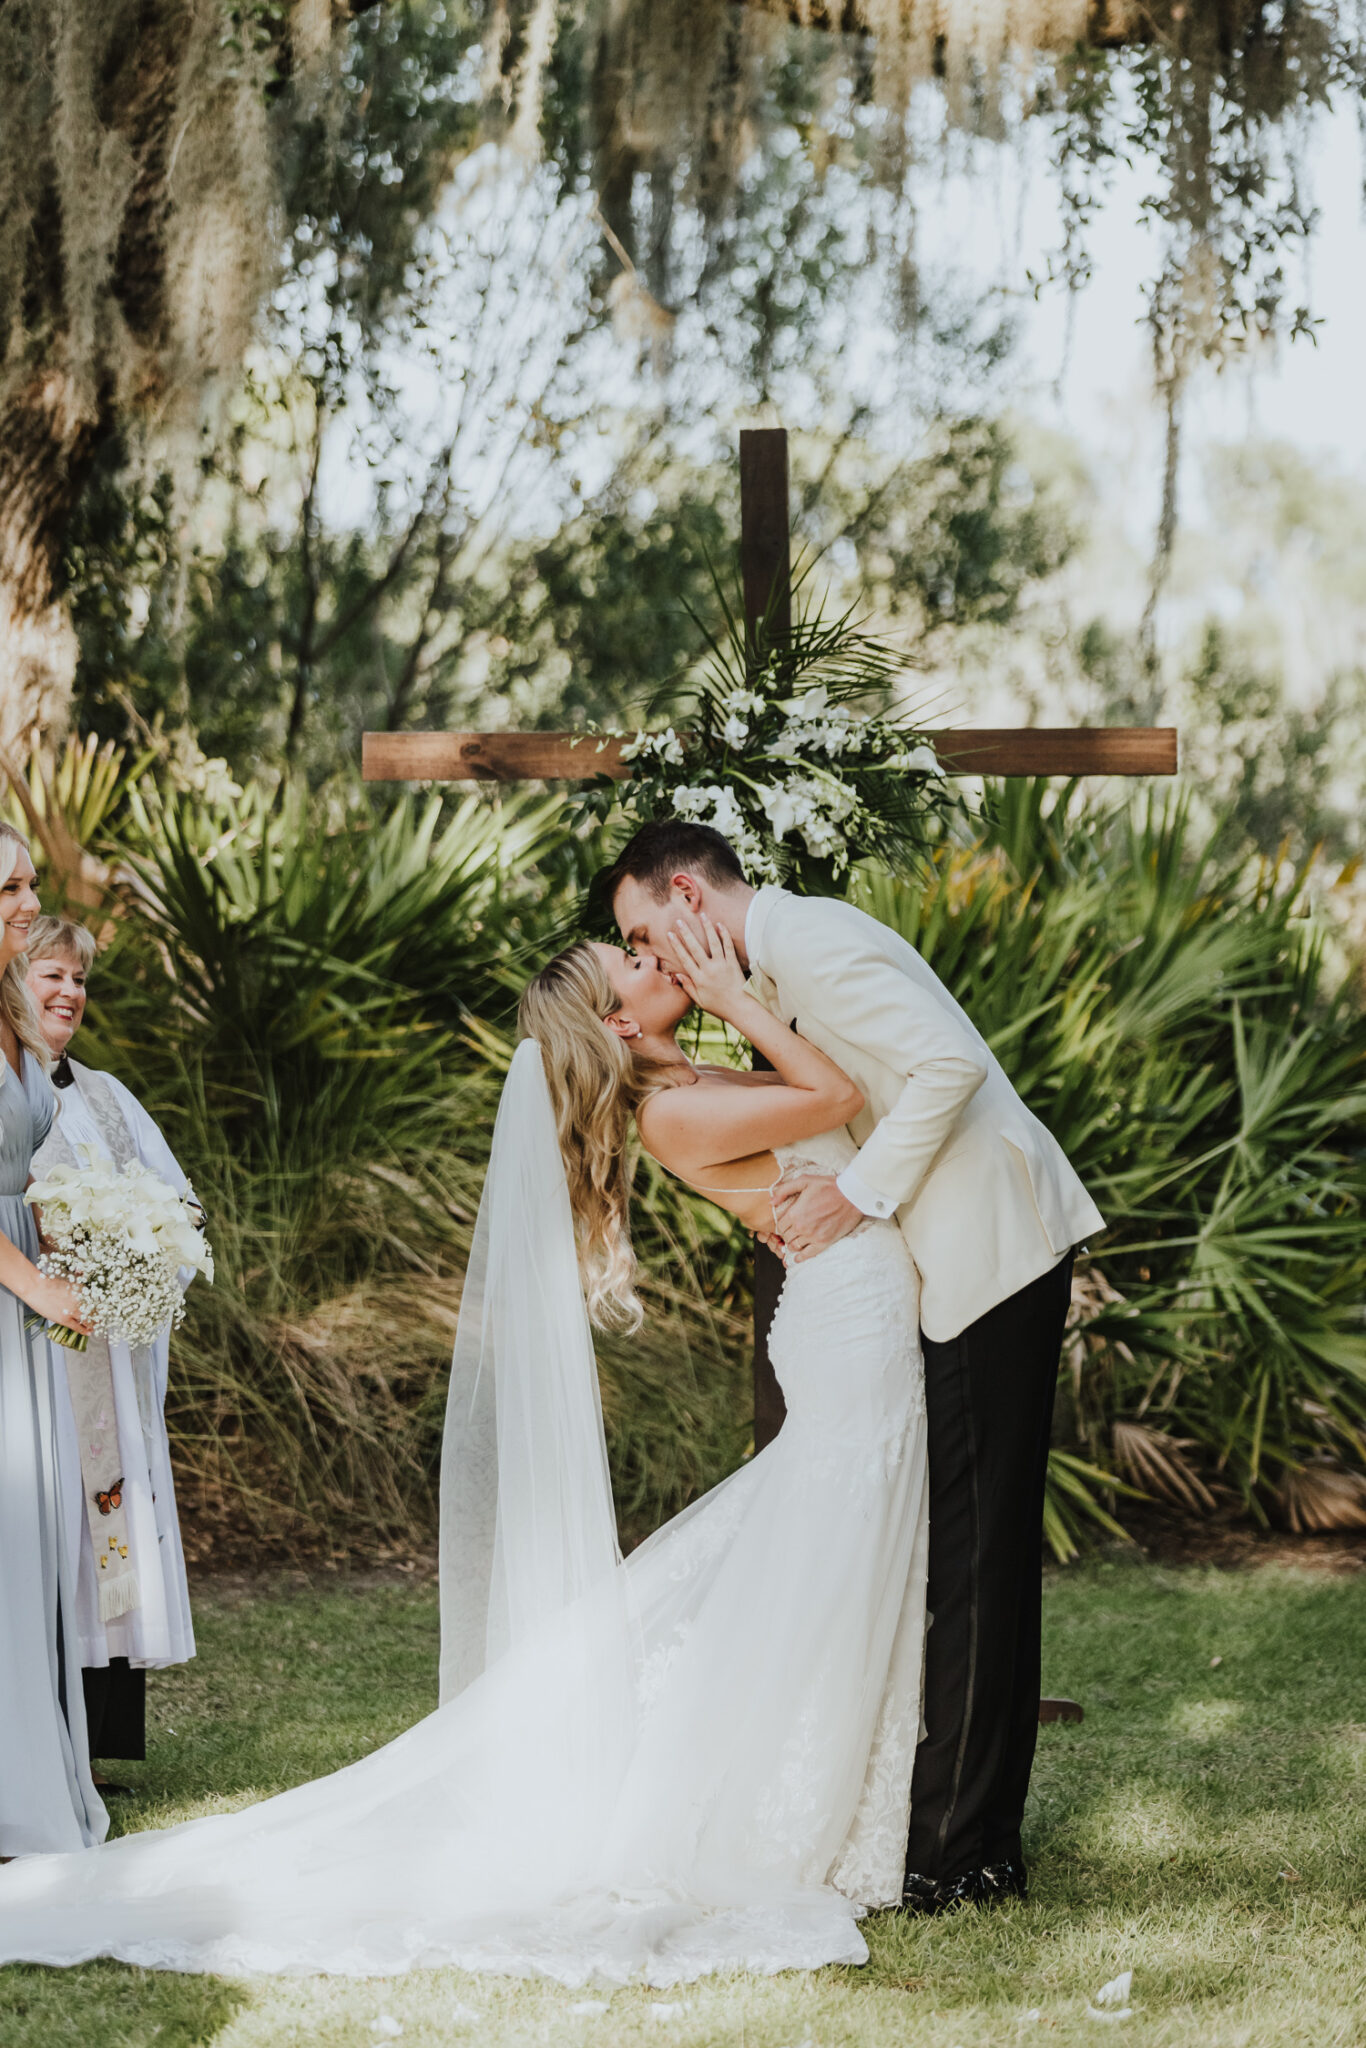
<point>47,1799</point>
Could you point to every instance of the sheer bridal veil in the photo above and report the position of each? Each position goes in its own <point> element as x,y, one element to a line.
<point>527,1523</point>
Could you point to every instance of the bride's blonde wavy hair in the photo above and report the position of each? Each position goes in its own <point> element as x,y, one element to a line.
<point>16,1004</point>
<point>596,1086</point>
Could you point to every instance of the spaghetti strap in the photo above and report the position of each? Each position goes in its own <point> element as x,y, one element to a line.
<point>702,1188</point>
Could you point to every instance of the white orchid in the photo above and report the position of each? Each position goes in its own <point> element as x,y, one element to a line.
<point>801,775</point>
<point>665,747</point>
<point>780,808</point>
<point>727,817</point>
<point>816,809</point>
<point>810,704</point>
<point>693,801</point>
<point>833,733</point>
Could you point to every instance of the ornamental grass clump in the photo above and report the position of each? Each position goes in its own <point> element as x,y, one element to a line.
<point>121,1236</point>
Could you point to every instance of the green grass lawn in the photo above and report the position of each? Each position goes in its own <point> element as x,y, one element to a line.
<point>1204,1827</point>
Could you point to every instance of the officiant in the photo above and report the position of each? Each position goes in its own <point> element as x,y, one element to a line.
<point>118,1494</point>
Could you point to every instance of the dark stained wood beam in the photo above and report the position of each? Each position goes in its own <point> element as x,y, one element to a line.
<point>576,757</point>
<point>766,575</point>
<point>1059,750</point>
<point>765,532</point>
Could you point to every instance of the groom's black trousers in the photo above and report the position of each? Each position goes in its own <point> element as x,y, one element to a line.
<point>989,1397</point>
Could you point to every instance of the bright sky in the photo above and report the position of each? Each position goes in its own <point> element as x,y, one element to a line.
<point>1310,394</point>
<point>979,228</point>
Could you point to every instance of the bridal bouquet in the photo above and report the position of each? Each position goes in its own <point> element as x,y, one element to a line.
<point>121,1236</point>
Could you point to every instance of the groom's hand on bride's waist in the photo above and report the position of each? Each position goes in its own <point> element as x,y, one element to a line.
<point>811,1213</point>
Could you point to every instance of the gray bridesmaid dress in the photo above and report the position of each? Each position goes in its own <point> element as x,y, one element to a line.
<point>47,1799</point>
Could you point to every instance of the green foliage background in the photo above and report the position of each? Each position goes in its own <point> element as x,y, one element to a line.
<point>314,1000</point>
<point>477,469</point>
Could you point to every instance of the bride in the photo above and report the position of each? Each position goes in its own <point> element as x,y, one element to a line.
<point>698,1759</point>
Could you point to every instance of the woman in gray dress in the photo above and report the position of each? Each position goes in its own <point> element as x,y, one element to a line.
<point>47,1800</point>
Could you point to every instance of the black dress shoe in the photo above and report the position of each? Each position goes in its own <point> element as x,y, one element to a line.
<point>108,1790</point>
<point>922,1896</point>
<point>988,1885</point>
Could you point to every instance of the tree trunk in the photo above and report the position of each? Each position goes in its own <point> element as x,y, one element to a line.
<point>47,443</point>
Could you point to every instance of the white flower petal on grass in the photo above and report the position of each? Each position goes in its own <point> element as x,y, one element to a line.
<point>387,2026</point>
<point>1112,2000</point>
<point>663,2011</point>
<point>588,2005</point>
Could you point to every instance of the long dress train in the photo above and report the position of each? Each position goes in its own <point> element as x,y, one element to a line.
<point>701,1763</point>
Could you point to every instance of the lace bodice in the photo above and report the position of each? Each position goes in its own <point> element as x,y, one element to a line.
<point>829,1152</point>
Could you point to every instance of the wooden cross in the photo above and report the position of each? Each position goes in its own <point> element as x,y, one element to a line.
<point>765,567</point>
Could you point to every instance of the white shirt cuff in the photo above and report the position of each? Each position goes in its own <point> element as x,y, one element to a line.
<point>855,1189</point>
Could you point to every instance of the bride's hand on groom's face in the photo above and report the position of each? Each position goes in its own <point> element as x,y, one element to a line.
<point>707,965</point>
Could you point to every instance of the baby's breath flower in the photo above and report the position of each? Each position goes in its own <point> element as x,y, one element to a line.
<point>122,1237</point>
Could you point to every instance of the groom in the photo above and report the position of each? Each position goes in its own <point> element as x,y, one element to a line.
<point>991,1211</point>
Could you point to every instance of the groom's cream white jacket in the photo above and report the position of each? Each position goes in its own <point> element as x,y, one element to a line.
<point>985,1196</point>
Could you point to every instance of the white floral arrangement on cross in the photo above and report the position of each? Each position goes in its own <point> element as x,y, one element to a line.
<point>782,754</point>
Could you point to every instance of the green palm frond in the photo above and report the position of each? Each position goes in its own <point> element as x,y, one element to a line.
<point>1169,1016</point>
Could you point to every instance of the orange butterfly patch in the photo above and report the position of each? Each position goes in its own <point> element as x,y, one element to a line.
<point>107,1502</point>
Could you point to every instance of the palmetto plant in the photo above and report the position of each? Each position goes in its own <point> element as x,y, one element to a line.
<point>1169,1018</point>
<point>301,993</point>
<point>313,997</point>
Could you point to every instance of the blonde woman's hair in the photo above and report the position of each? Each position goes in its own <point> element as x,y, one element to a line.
<point>596,1086</point>
<point>16,1004</point>
<point>60,938</point>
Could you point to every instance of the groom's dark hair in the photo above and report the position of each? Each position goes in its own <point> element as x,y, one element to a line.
<point>658,851</point>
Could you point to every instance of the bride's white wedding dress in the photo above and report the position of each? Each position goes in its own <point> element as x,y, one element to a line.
<point>695,1760</point>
